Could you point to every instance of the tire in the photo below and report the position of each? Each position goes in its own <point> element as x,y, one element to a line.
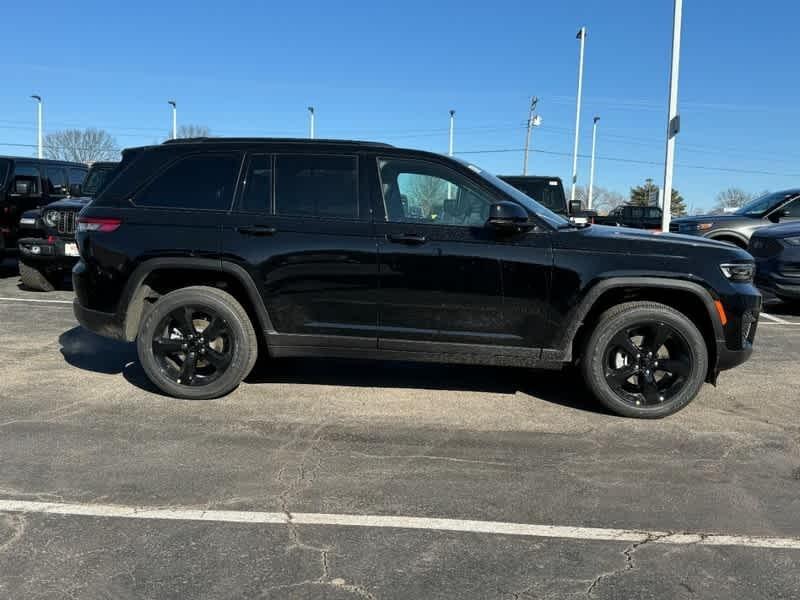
<point>34,279</point>
<point>163,337</point>
<point>608,357</point>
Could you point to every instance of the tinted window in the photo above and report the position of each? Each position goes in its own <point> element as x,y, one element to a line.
<point>257,185</point>
<point>96,179</point>
<point>203,181</point>
<point>792,209</point>
<point>316,186</point>
<point>416,191</point>
<point>548,193</point>
<point>76,176</point>
<point>55,181</point>
<point>3,171</point>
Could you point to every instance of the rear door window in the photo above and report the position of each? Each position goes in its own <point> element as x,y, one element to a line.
<point>76,176</point>
<point>316,186</point>
<point>201,181</point>
<point>256,193</point>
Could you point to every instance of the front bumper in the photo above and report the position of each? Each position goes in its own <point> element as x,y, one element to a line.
<point>779,278</point>
<point>52,253</point>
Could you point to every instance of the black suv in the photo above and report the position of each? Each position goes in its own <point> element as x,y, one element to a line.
<point>30,183</point>
<point>199,249</point>
<point>47,250</point>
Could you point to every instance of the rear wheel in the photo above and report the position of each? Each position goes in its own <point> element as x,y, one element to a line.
<point>197,343</point>
<point>645,360</point>
<point>34,279</point>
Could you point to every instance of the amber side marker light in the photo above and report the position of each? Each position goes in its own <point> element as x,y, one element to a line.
<point>721,312</point>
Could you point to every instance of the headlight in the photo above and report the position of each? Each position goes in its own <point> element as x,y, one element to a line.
<point>50,218</point>
<point>738,272</point>
<point>792,241</point>
<point>697,226</point>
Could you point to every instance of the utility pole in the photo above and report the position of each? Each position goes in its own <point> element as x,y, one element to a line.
<point>673,120</point>
<point>311,122</point>
<point>533,121</point>
<point>174,106</point>
<point>39,126</point>
<point>591,168</point>
<point>452,125</point>
<point>582,37</point>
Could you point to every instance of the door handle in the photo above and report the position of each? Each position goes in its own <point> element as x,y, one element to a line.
<point>257,230</point>
<point>406,238</point>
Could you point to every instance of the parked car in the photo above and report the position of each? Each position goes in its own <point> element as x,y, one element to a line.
<point>200,248</point>
<point>736,228</point>
<point>30,183</point>
<point>549,192</point>
<point>48,250</point>
<point>777,253</point>
<point>629,215</point>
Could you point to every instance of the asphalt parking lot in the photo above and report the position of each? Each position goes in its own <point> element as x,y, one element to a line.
<point>336,479</point>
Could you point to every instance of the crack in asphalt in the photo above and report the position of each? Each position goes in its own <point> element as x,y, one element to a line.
<point>628,552</point>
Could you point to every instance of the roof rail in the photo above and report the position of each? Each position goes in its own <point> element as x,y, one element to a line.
<point>276,140</point>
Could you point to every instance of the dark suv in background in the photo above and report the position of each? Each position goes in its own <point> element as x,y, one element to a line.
<point>199,249</point>
<point>30,183</point>
<point>48,249</point>
<point>736,228</point>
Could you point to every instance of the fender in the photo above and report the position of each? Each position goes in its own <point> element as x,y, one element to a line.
<point>727,233</point>
<point>129,310</point>
<point>585,305</point>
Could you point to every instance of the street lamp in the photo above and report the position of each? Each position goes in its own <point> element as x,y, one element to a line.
<point>452,125</point>
<point>673,120</point>
<point>591,168</point>
<point>533,121</point>
<point>311,122</point>
<point>39,127</point>
<point>174,106</point>
<point>582,37</point>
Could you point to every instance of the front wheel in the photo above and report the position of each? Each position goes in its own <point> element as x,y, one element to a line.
<point>197,343</point>
<point>645,360</point>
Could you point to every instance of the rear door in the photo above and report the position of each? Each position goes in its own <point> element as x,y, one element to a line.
<point>303,231</point>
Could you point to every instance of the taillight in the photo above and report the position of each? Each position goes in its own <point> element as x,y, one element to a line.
<point>98,224</point>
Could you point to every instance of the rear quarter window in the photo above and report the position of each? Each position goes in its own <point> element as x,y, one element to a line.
<point>200,181</point>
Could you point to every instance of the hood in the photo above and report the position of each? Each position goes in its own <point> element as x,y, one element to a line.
<point>778,231</point>
<point>624,240</point>
<point>76,203</point>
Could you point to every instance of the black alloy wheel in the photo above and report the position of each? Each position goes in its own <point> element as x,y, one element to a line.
<point>647,364</point>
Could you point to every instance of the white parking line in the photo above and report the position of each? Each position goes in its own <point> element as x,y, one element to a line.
<point>119,511</point>
<point>775,319</point>
<point>36,300</point>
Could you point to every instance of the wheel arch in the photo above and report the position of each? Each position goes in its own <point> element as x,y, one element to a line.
<point>687,297</point>
<point>730,236</point>
<point>158,276</point>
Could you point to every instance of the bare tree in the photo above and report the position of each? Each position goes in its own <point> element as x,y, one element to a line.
<point>602,199</point>
<point>191,131</point>
<point>81,145</point>
<point>426,194</point>
<point>732,198</point>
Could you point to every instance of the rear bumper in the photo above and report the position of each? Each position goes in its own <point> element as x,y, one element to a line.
<point>102,323</point>
<point>46,253</point>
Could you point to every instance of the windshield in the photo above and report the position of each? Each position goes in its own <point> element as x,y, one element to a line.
<point>759,206</point>
<point>3,171</point>
<point>96,179</point>
<point>532,205</point>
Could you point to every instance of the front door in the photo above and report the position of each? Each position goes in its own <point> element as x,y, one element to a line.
<point>439,265</point>
<point>301,230</point>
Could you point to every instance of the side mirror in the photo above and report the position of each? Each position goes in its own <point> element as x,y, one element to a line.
<point>507,215</point>
<point>75,189</point>
<point>22,187</point>
<point>575,206</point>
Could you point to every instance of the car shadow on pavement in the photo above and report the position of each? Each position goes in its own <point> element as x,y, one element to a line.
<point>783,309</point>
<point>85,350</point>
<point>564,388</point>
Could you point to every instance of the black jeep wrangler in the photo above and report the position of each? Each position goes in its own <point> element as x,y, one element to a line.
<point>199,249</point>
<point>47,250</point>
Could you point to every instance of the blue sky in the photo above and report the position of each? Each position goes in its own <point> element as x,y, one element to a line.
<point>391,71</point>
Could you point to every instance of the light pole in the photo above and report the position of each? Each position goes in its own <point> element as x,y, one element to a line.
<point>174,106</point>
<point>311,122</point>
<point>533,121</point>
<point>452,125</point>
<point>673,120</point>
<point>591,168</point>
<point>39,125</point>
<point>582,37</point>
